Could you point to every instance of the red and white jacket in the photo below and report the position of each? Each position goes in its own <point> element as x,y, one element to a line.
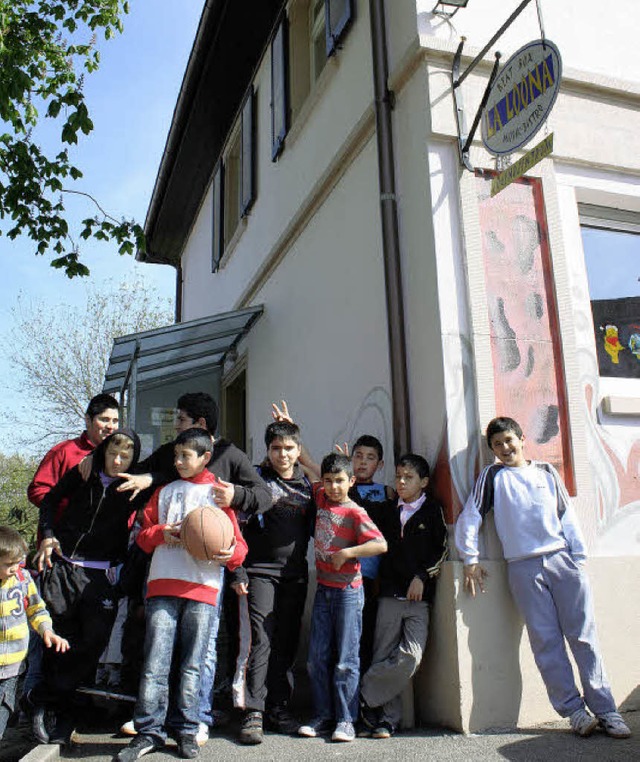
<point>174,572</point>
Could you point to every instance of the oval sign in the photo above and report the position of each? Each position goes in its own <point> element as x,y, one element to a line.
<point>521,97</point>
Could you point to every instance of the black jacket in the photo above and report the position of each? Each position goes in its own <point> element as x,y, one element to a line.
<point>418,551</point>
<point>94,525</point>
<point>251,494</point>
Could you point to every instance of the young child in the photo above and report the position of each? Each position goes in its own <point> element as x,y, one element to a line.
<point>343,533</point>
<point>278,574</point>
<point>416,536</point>
<point>545,552</point>
<point>20,606</point>
<point>79,553</point>
<point>182,594</point>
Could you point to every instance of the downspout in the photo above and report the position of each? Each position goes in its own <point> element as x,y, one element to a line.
<point>390,236</point>
<point>178,307</point>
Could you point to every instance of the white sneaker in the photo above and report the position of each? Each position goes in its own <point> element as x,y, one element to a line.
<point>202,736</point>
<point>582,723</point>
<point>128,729</point>
<point>613,725</point>
<point>344,732</point>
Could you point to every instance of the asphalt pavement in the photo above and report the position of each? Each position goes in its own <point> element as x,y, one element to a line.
<point>547,743</point>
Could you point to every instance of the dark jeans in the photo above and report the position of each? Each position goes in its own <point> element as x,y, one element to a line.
<point>275,610</point>
<point>177,629</point>
<point>8,688</point>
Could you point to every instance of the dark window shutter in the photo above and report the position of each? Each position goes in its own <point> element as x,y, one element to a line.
<point>279,85</point>
<point>248,157</point>
<point>217,248</point>
<point>339,16</point>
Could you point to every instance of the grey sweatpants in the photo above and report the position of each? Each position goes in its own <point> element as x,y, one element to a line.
<point>554,598</point>
<point>398,645</point>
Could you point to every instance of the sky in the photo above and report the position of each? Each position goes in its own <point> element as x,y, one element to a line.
<point>131,100</point>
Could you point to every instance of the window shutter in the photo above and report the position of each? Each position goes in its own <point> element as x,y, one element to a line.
<point>339,16</point>
<point>279,95</point>
<point>248,159</point>
<point>218,218</point>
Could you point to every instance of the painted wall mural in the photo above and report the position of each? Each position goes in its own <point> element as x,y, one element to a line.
<point>525,341</point>
<point>616,324</point>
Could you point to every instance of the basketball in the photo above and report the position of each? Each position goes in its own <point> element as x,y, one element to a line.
<point>205,532</point>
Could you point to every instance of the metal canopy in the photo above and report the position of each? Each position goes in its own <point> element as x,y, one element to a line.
<point>151,356</point>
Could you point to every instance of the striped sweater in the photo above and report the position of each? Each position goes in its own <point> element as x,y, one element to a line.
<point>20,606</point>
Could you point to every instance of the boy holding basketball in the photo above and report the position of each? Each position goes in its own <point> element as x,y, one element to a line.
<point>182,594</point>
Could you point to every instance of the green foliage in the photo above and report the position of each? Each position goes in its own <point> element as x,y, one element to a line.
<point>46,48</point>
<point>15,510</point>
<point>60,353</point>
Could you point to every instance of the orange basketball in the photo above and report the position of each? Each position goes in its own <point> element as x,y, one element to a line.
<point>205,531</point>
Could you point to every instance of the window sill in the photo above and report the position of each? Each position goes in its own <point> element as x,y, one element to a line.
<point>230,247</point>
<point>315,95</point>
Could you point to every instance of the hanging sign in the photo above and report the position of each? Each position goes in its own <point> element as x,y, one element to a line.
<point>521,97</point>
<point>524,164</point>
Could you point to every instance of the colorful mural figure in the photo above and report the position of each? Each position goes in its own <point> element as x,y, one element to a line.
<point>634,342</point>
<point>612,345</point>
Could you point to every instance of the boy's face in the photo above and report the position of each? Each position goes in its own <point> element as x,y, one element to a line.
<point>9,567</point>
<point>365,463</point>
<point>117,458</point>
<point>337,486</point>
<point>188,463</point>
<point>184,421</point>
<point>409,485</point>
<point>508,448</point>
<point>100,426</point>
<point>283,454</point>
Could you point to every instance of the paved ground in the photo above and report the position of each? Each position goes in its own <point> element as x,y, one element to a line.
<point>548,743</point>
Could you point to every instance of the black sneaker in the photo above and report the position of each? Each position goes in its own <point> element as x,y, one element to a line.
<point>140,746</point>
<point>280,719</point>
<point>251,728</point>
<point>188,747</point>
<point>63,731</point>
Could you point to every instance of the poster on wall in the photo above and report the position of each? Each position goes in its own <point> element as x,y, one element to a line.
<point>616,324</point>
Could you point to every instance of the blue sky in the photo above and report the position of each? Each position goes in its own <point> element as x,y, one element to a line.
<point>131,100</point>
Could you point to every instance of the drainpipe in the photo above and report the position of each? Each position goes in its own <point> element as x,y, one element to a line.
<point>390,238</point>
<point>178,307</point>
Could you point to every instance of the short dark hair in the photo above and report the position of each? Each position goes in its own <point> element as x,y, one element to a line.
<point>120,439</point>
<point>500,425</point>
<point>419,464</point>
<point>281,430</point>
<point>336,462</point>
<point>367,440</point>
<point>12,544</point>
<point>100,403</point>
<point>200,405</point>
<point>195,439</point>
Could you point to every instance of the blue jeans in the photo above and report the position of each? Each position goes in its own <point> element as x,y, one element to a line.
<point>334,661</point>
<point>208,674</point>
<point>177,630</point>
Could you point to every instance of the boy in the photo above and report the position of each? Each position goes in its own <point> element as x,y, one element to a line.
<point>79,553</point>
<point>182,594</point>
<point>416,536</point>
<point>278,575</point>
<point>545,553</point>
<point>20,606</point>
<point>343,533</point>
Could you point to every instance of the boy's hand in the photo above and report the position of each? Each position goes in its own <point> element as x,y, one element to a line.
<point>85,467</point>
<point>241,588</point>
<point>339,558</point>
<point>171,534</point>
<point>415,590</point>
<point>134,483</point>
<point>343,449</point>
<point>474,574</point>
<point>224,556</point>
<point>47,547</point>
<point>281,413</point>
<point>51,640</point>
<point>223,493</point>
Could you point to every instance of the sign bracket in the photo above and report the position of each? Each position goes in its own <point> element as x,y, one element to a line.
<point>465,139</point>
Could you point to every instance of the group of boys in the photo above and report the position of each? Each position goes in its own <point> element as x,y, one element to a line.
<point>375,550</point>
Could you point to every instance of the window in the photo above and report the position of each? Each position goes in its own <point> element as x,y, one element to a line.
<point>611,241</point>
<point>234,184</point>
<point>307,36</point>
